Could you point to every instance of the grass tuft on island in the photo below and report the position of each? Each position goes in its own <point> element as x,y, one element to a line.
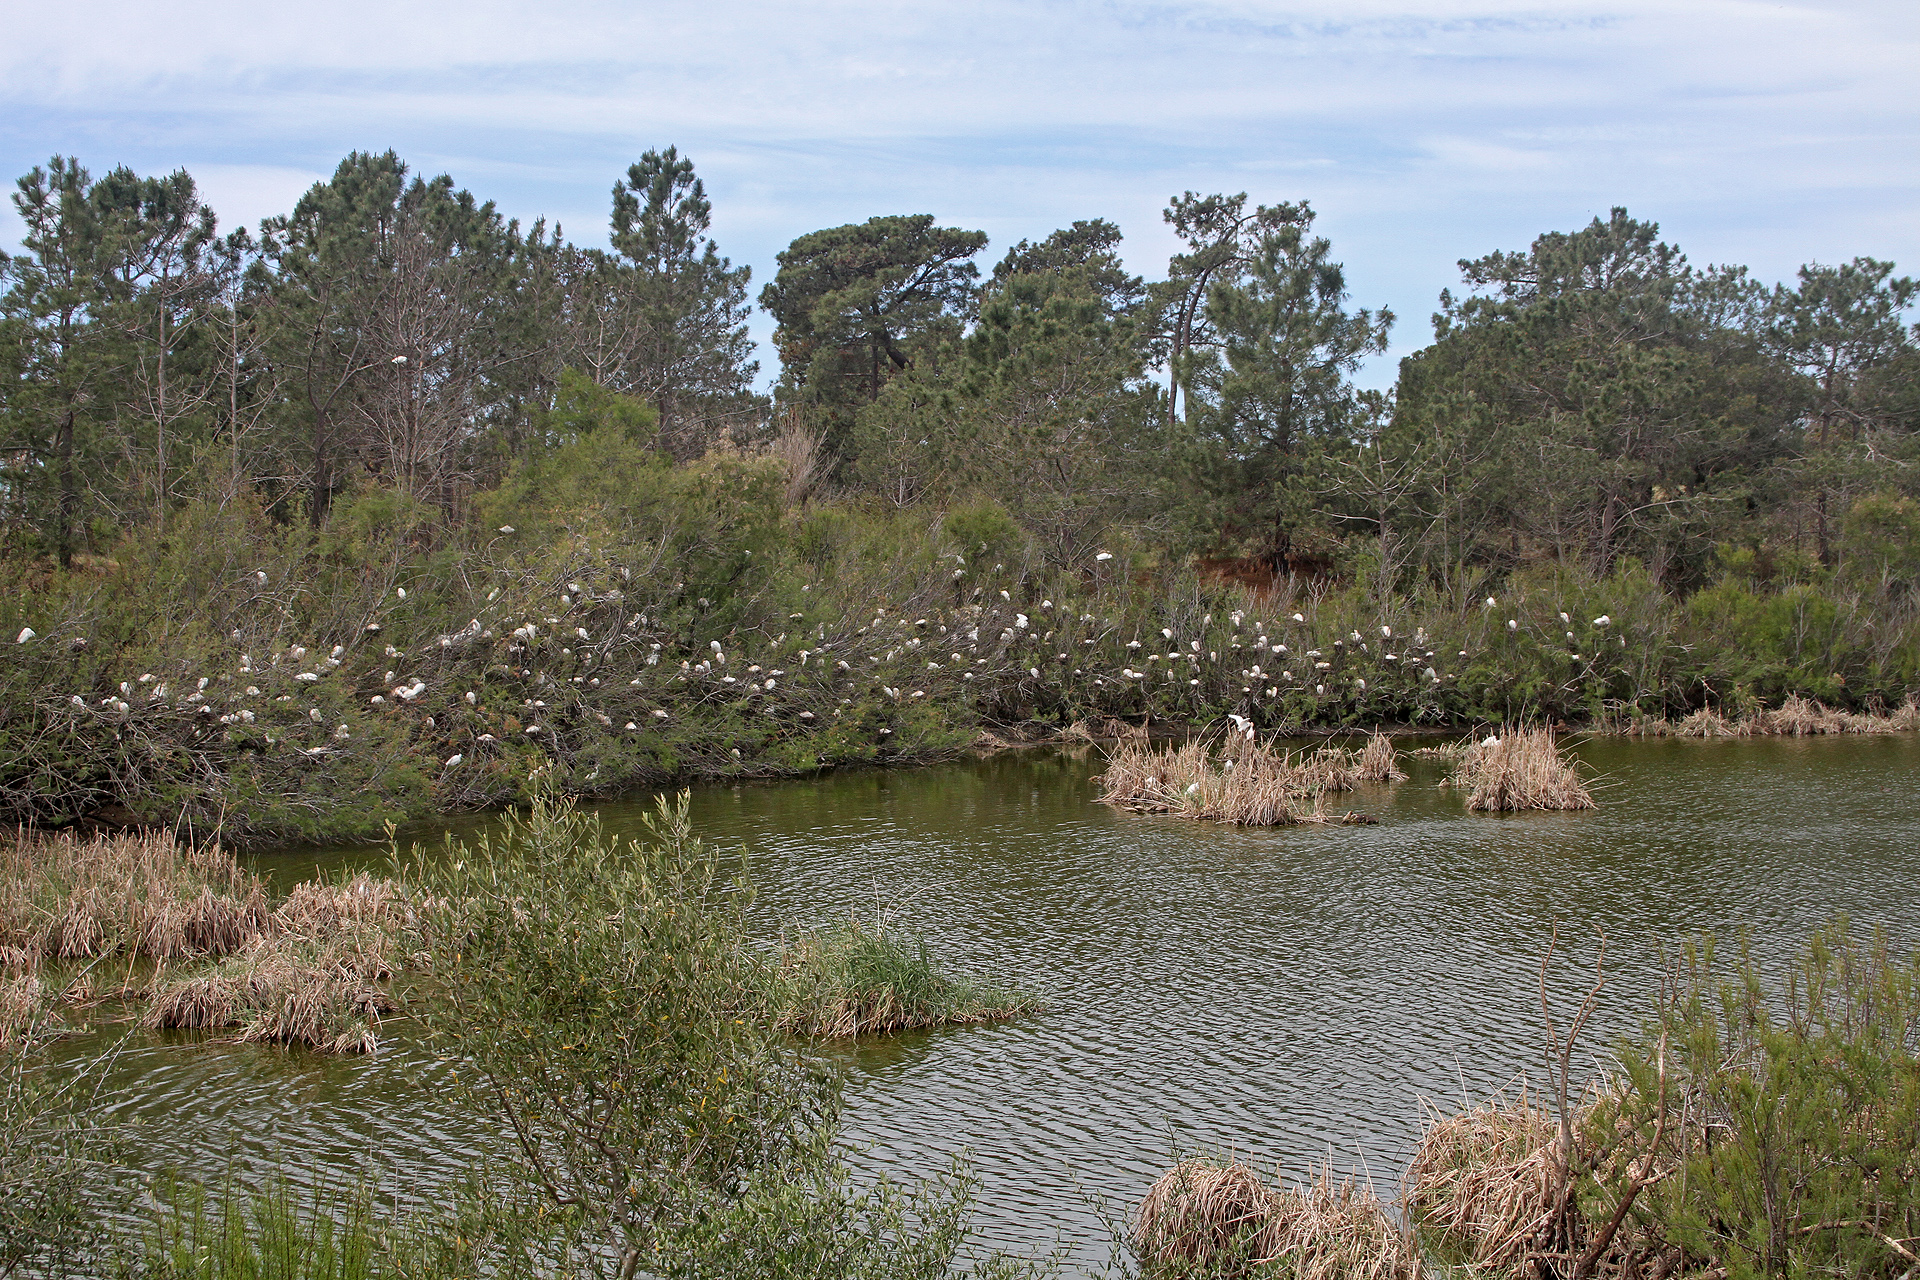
<point>1243,782</point>
<point>859,978</point>
<point>1378,761</point>
<point>324,991</point>
<point>1518,769</point>
<point>1205,1218</point>
<point>317,969</point>
<point>1795,717</point>
<point>1481,1182</point>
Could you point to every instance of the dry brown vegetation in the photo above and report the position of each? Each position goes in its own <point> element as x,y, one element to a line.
<point>65,897</point>
<point>325,994</point>
<point>308,971</point>
<point>1479,1182</point>
<point>315,977</point>
<point>1489,1188</point>
<point>1103,729</point>
<point>1243,781</point>
<point>1204,1218</point>
<point>1797,717</point>
<point>1255,787</point>
<point>1377,761</point>
<point>1519,769</point>
<point>21,999</point>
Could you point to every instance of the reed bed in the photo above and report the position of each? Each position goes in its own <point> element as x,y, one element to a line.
<point>1481,1183</point>
<point>1252,786</point>
<point>66,897</point>
<point>1490,1191</point>
<point>308,971</point>
<point>863,978</point>
<point>1797,717</point>
<point>318,908</point>
<point>22,999</point>
<point>1522,769</point>
<point>1324,770</point>
<point>1204,1218</point>
<point>325,995</point>
<point>1378,761</point>
<point>1103,729</point>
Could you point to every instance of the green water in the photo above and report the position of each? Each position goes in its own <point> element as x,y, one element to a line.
<point>1288,995</point>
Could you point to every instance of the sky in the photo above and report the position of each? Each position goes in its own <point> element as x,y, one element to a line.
<point>1758,133</point>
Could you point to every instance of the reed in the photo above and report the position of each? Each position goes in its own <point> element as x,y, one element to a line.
<point>323,994</point>
<point>1524,769</point>
<point>1325,769</point>
<point>1250,784</point>
<point>22,1000</point>
<point>1203,1218</point>
<point>318,909</point>
<point>1481,1184</point>
<point>861,978</point>
<point>1377,761</point>
<point>1102,729</point>
<point>140,894</point>
<point>1796,717</point>
<point>1799,717</point>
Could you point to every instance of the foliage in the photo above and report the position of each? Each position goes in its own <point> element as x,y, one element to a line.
<point>1274,387</point>
<point>600,997</point>
<point>858,303</point>
<point>1795,1108</point>
<point>57,1157</point>
<point>454,498</point>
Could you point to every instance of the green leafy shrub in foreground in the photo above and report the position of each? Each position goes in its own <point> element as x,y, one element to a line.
<point>602,1002</point>
<point>1792,1140</point>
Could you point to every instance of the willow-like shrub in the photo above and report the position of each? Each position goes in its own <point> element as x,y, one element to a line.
<point>600,995</point>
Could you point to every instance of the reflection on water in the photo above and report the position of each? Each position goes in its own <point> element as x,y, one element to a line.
<point>1288,995</point>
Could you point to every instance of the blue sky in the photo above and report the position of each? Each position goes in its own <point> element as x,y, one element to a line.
<point>1767,134</point>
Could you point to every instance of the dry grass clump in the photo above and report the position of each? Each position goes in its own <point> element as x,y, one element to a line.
<point>306,972</point>
<point>1253,786</point>
<point>1202,1218</point>
<point>1800,717</point>
<point>323,994</point>
<point>1377,761</point>
<point>1708,723</point>
<point>1524,769</point>
<point>319,909</point>
<point>1103,729</point>
<point>1481,1183</point>
<point>140,894</point>
<point>21,1000</point>
<point>1325,769</point>
<point>1797,717</point>
<point>1490,1190</point>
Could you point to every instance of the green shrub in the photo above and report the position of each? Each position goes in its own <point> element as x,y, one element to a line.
<point>602,1002</point>
<point>1793,1110</point>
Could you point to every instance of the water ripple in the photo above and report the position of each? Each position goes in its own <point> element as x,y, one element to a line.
<point>1285,995</point>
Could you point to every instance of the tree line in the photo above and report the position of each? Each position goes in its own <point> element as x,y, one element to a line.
<point>1590,398</point>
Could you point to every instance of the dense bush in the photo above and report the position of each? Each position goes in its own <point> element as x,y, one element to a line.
<point>1794,1110</point>
<point>267,681</point>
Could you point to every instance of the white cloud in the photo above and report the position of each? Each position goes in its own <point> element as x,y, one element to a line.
<point>1771,133</point>
<point>244,194</point>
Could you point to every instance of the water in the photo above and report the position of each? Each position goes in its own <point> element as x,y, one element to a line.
<point>1288,995</point>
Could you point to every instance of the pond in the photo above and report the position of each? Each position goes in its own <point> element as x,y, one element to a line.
<point>1290,995</point>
